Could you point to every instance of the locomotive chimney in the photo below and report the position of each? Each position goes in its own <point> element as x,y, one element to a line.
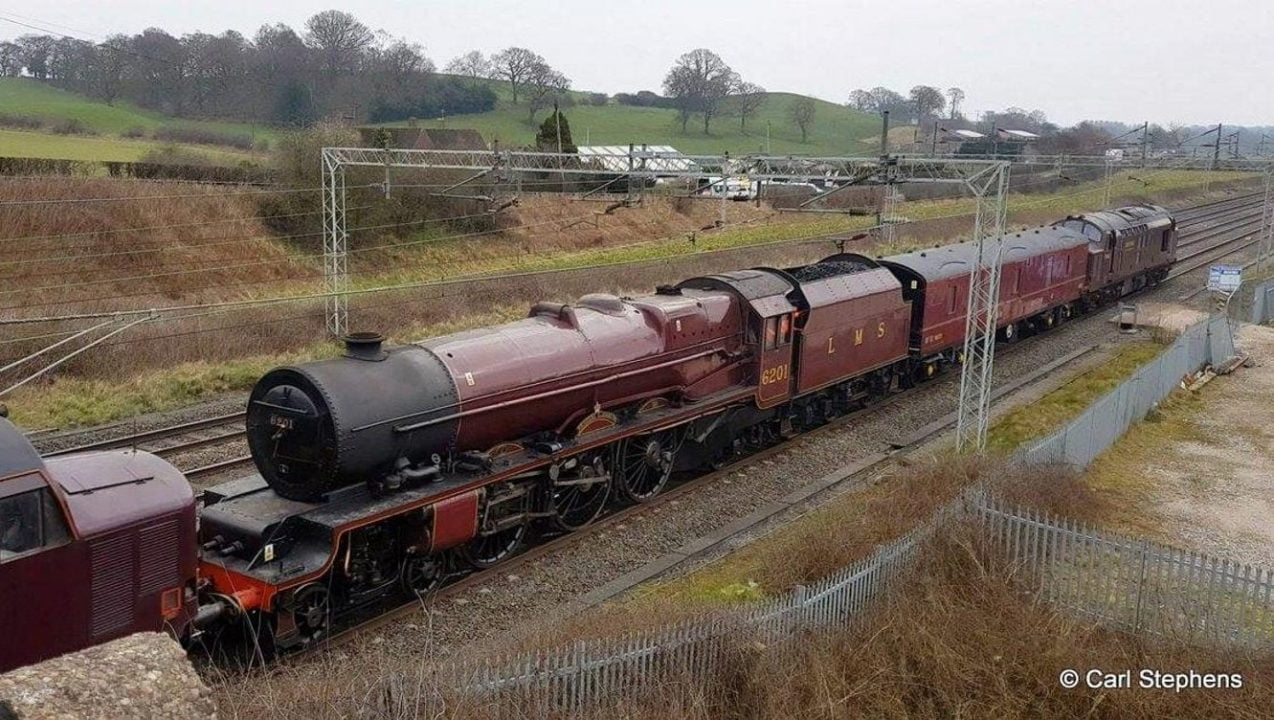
<point>365,346</point>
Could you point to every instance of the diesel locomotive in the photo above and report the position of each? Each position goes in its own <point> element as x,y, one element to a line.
<point>387,469</point>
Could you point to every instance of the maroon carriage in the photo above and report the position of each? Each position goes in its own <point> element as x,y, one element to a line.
<point>1042,273</point>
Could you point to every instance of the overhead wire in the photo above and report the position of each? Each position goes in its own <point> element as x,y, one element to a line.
<point>180,196</point>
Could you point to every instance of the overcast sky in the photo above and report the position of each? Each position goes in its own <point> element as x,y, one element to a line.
<point>1131,60</point>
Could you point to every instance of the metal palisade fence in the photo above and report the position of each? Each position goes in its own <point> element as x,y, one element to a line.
<point>1210,341</point>
<point>1262,302</point>
<point>1135,585</point>
<point>1126,583</point>
<point>585,675</point>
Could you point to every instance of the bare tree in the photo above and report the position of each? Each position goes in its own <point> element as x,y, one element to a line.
<point>543,85</point>
<point>472,64</point>
<point>957,96</point>
<point>401,59</point>
<point>34,51</point>
<point>880,99</point>
<point>801,113</point>
<point>698,82</point>
<point>747,101</point>
<point>927,100</point>
<point>10,59</point>
<point>895,103</point>
<point>862,100</point>
<point>514,65</point>
<point>110,63</point>
<point>341,39</point>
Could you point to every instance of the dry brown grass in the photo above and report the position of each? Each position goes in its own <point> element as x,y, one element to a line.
<point>68,254</point>
<point>964,638</point>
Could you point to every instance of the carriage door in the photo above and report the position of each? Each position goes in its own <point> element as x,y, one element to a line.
<point>775,384</point>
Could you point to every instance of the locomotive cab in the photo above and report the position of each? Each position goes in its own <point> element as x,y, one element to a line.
<point>92,547</point>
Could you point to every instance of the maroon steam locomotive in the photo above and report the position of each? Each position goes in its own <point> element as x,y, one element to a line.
<point>387,469</point>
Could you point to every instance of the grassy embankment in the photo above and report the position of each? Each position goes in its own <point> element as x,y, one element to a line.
<point>429,258</point>
<point>33,99</point>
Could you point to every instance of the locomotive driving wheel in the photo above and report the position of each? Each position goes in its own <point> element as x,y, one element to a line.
<point>577,496</point>
<point>422,574</point>
<point>312,612</point>
<point>487,550</point>
<point>643,464</point>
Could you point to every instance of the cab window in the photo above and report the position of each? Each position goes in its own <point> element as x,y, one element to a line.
<point>1087,229</point>
<point>30,521</point>
<point>778,331</point>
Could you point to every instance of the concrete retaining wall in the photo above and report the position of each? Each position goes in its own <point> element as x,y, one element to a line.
<point>140,677</point>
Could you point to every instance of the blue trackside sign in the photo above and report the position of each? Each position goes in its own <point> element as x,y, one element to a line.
<point>1225,278</point>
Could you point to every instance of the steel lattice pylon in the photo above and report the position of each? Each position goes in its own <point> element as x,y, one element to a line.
<point>335,247</point>
<point>980,322</point>
<point>1265,244</point>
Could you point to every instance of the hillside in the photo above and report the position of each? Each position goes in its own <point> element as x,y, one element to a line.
<point>26,98</point>
<point>837,130</point>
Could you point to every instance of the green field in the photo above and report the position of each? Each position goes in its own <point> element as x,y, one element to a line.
<point>23,96</point>
<point>18,143</point>
<point>31,98</point>
<point>837,130</point>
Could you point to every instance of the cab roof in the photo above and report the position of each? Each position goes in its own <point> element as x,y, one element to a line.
<point>1126,217</point>
<point>114,488</point>
<point>16,453</point>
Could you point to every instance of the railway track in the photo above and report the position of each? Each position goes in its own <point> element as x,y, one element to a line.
<point>1203,212</point>
<point>176,440</point>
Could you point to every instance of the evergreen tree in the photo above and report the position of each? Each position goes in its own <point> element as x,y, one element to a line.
<point>546,138</point>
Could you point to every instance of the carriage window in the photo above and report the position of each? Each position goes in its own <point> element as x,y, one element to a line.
<point>955,293</point>
<point>29,521</point>
<point>1167,240</point>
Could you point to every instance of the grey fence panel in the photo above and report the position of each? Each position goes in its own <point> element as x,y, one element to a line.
<point>1137,585</point>
<point>1221,339</point>
<point>1096,429</point>
<point>1262,309</point>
